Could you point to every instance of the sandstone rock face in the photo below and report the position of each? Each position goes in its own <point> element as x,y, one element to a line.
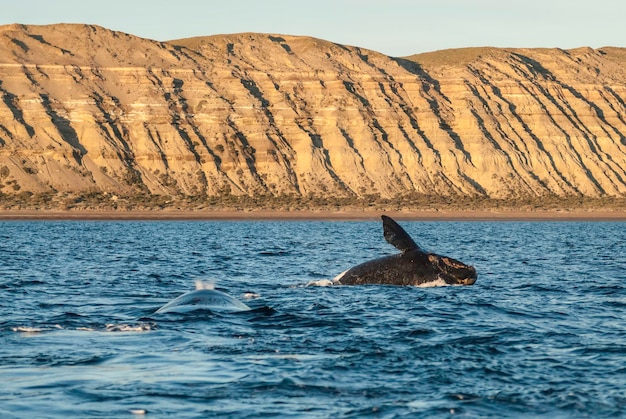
<point>85,109</point>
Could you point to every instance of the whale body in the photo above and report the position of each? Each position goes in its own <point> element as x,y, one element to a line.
<point>203,299</point>
<point>413,266</point>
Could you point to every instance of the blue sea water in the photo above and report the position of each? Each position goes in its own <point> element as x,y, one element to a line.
<point>541,334</point>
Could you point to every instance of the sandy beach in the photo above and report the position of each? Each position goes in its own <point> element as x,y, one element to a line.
<point>330,215</point>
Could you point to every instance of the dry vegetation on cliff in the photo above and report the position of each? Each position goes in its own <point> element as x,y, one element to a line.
<point>92,118</point>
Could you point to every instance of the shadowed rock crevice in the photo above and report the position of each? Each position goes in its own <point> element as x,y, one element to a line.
<point>429,83</point>
<point>564,109</point>
<point>318,145</point>
<point>555,171</point>
<point>254,90</point>
<point>398,100</point>
<point>176,111</point>
<point>422,75</point>
<point>158,142</point>
<point>22,45</point>
<point>11,102</point>
<point>242,148</point>
<point>518,172</point>
<point>110,124</point>
<point>590,138</point>
<point>6,133</point>
<point>188,119</point>
<point>350,142</point>
<point>65,129</point>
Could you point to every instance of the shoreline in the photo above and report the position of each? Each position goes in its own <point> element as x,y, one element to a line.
<point>311,215</point>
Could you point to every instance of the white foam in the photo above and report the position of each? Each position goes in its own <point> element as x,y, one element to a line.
<point>338,277</point>
<point>200,285</point>
<point>321,283</point>
<point>141,327</point>
<point>33,330</point>
<point>27,329</point>
<point>327,282</point>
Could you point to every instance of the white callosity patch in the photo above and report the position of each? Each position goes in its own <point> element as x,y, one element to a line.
<point>436,283</point>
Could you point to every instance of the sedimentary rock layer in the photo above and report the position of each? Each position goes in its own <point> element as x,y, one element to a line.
<point>85,109</point>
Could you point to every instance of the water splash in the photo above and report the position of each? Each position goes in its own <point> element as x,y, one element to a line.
<point>201,285</point>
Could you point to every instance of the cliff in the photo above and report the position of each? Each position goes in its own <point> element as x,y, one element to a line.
<point>86,110</point>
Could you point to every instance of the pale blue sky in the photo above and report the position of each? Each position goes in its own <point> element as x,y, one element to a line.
<point>393,27</point>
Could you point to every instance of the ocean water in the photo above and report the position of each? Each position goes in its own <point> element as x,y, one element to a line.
<point>542,333</point>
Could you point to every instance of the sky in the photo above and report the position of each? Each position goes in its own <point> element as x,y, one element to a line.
<point>392,27</point>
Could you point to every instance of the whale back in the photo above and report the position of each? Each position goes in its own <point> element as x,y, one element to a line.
<point>203,299</point>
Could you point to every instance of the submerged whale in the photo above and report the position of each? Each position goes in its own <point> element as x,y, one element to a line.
<point>411,267</point>
<point>203,298</point>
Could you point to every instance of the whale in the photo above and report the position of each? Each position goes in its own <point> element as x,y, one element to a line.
<point>203,298</point>
<point>412,267</point>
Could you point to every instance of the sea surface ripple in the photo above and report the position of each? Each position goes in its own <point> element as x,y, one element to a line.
<point>541,334</point>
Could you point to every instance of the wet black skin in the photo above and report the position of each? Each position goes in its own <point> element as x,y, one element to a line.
<point>411,267</point>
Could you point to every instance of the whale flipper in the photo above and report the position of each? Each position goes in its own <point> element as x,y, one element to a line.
<point>396,236</point>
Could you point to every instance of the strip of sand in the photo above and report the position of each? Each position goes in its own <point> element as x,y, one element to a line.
<point>263,214</point>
